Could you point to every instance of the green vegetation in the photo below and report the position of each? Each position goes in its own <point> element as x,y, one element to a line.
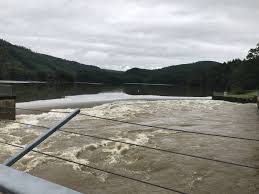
<point>19,63</point>
<point>236,76</point>
<point>193,74</point>
<point>249,97</point>
<point>244,95</point>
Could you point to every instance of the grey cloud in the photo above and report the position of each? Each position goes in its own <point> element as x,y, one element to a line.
<point>120,34</point>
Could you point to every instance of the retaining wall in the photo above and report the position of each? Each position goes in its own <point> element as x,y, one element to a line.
<point>7,107</point>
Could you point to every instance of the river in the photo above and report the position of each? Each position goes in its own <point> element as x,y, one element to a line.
<point>183,173</point>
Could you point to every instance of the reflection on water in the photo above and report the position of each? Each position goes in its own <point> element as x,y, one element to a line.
<point>36,91</point>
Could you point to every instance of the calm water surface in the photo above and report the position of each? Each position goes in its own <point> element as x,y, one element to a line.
<point>35,91</point>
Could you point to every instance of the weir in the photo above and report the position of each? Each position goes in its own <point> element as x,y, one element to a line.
<point>7,103</point>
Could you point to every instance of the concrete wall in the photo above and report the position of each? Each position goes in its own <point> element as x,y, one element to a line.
<point>7,107</point>
<point>15,182</point>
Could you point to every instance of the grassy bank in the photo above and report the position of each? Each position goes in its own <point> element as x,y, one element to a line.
<point>247,97</point>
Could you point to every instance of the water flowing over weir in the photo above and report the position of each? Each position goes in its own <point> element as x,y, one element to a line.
<point>184,173</point>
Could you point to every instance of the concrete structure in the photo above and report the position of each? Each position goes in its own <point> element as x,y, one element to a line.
<point>7,107</point>
<point>7,103</point>
<point>15,182</point>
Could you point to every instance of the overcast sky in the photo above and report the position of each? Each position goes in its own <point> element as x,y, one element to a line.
<point>120,34</point>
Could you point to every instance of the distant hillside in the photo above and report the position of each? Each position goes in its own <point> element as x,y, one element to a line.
<point>186,74</point>
<point>19,63</point>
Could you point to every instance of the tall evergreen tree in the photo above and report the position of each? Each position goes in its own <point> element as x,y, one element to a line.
<point>253,53</point>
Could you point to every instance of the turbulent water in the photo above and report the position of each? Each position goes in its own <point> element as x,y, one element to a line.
<point>182,173</point>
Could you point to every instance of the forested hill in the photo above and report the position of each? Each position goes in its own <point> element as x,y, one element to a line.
<point>185,74</point>
<point>19,63</point>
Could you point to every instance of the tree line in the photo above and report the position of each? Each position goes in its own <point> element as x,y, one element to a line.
<point>20,63</point>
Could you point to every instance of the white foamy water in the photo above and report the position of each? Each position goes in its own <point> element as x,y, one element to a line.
<point>183,173</point>
<point>96,98</point>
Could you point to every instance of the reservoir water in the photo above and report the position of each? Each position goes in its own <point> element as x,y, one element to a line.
<point>183,173</point>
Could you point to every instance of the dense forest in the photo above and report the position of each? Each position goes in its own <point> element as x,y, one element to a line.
<point>236,75</point>
<point>19,63</point>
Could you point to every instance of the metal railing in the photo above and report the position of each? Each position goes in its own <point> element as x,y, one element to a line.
<point>15,182</point>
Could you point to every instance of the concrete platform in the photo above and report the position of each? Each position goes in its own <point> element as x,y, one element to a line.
<point>16,182</point>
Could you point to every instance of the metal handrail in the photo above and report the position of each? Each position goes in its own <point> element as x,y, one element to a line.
<point>10,161</point>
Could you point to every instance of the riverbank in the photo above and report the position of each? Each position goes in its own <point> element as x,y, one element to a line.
<point>249,97</point>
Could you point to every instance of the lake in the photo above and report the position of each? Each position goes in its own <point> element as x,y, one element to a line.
<point>41,91</point>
